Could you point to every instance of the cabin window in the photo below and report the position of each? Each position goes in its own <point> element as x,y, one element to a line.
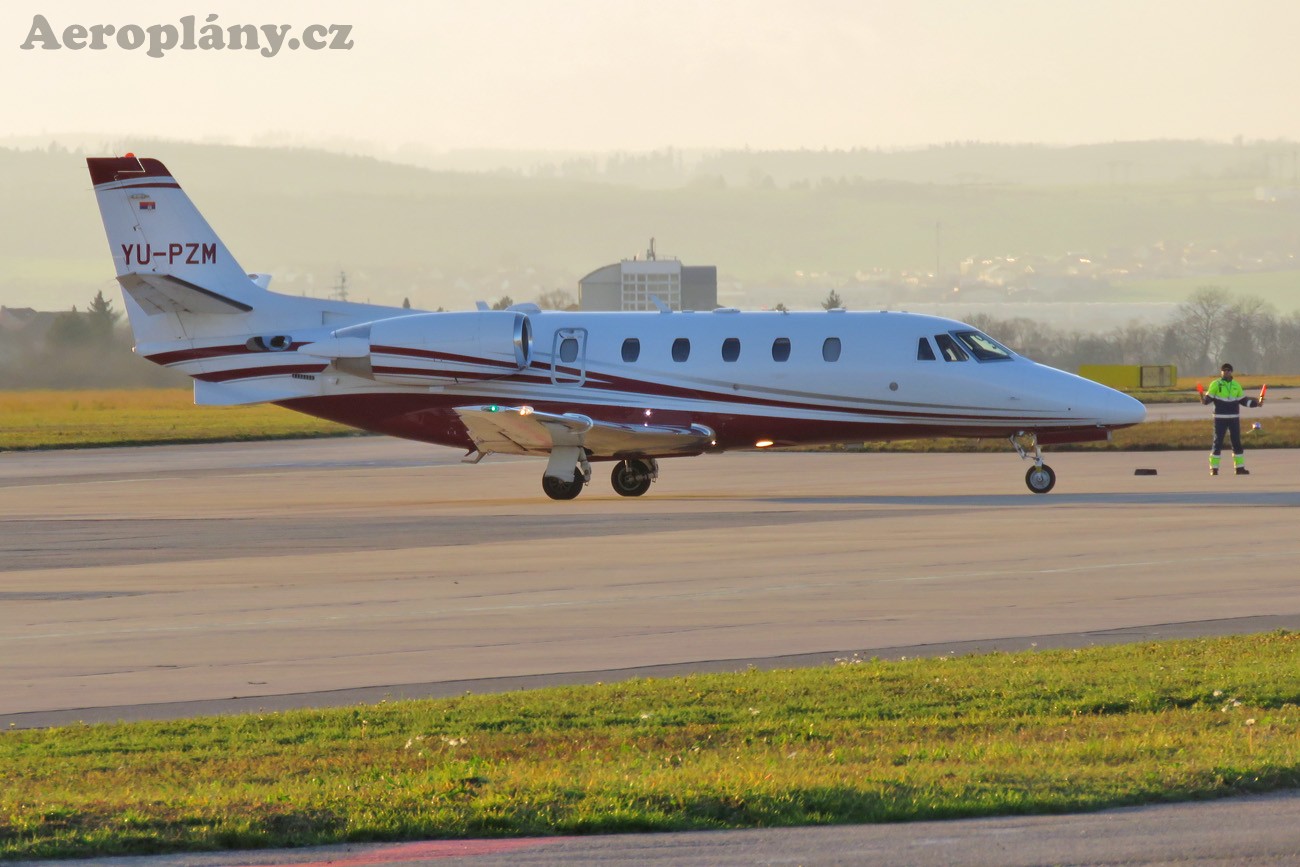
<point>681,349</point>
<point>983,347</point>
<point>781,349</point>
<point>568,350</point>
<point>731,349</point>
<point>949,348</point>
<point>924,351</point>
<point>631,349</point>
<point>831,349</point>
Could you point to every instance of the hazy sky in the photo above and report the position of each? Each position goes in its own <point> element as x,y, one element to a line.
<point>643,74</point>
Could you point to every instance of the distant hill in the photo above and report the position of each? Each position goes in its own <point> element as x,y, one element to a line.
<point>779,226</point>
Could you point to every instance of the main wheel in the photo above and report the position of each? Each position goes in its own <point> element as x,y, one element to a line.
<point>557,489</point>
<point>631,478</point>
<point>1040,479</point>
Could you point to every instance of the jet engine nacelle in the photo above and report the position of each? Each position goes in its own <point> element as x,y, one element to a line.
<point>424,346</point>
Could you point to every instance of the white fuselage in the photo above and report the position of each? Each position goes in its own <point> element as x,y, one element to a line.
<point>577,387</point>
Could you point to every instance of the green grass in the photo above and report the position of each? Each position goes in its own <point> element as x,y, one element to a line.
<point>1185,390</point>
<point>83,419</point>
<point>863,741</point>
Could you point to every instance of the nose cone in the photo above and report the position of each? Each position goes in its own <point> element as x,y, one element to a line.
<point>1117,409</point>
<point>1092,403</point>
<point>1098,404</point>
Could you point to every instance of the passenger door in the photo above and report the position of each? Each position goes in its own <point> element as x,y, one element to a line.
<point>569,356</point>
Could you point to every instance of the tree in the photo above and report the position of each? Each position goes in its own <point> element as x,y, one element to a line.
<point>781,308</point>
<point>406,303</point>
<point>832,301</point>
<point>503,303</point>
<point>70,330</point>
<point>1201,321</point>
<point>557,299</point>
<point>101,319</point>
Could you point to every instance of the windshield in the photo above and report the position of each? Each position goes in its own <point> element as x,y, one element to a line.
<point>983,347</point>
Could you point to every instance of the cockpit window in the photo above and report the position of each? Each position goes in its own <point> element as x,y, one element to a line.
<point>949,348</point>
<point>924,351</point>
<point>983,347</point>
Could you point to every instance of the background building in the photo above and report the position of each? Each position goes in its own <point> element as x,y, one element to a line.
<point>629,284</point>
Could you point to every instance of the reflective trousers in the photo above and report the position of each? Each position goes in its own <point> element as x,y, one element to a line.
<point>1232,428</point>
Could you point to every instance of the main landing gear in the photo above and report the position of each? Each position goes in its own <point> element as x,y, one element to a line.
<point>630,478</point>
<point>1041,478</point>
<point>559,489</point>
<point>566,472</point>
<point>633,478</point>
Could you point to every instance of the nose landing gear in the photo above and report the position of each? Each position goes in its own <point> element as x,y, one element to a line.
<point>1041,478</point>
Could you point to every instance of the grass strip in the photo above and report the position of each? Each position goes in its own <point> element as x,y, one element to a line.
<point>861,741</point>
<point>92,418</point>
<point>1185,389</point>
<point>85,419</point>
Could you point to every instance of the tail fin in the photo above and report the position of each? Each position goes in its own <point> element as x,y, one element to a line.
<point>167,256</point>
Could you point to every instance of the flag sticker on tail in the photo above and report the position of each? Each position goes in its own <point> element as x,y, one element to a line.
<point>148,205</point>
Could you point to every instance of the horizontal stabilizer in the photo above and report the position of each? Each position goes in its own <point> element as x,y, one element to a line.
<point>523,430</point>
<point>162,293</point>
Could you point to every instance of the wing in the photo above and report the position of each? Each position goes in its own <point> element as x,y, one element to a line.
<point>522,430</point>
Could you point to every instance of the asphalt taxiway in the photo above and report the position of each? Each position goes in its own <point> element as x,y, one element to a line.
<point>172,581</point>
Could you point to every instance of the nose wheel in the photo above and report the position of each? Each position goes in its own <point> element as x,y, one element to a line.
<point>1041,478</point>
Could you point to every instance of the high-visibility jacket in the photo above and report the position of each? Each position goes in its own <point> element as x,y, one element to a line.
<point>1228,398</point>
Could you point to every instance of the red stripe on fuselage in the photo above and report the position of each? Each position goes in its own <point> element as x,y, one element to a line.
<point>209,352</point>
<point>181,355</point>
<point>258,372</point>
<point>441,356</point>
<point>632,388</point>
<point>432,418</point>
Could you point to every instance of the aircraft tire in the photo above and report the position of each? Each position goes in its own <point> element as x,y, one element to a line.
<point>1040,479</point>
<point>631,478</point>
<point>561,490</point>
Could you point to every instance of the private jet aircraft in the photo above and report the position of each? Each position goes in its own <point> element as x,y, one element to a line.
<point>575,388</point>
